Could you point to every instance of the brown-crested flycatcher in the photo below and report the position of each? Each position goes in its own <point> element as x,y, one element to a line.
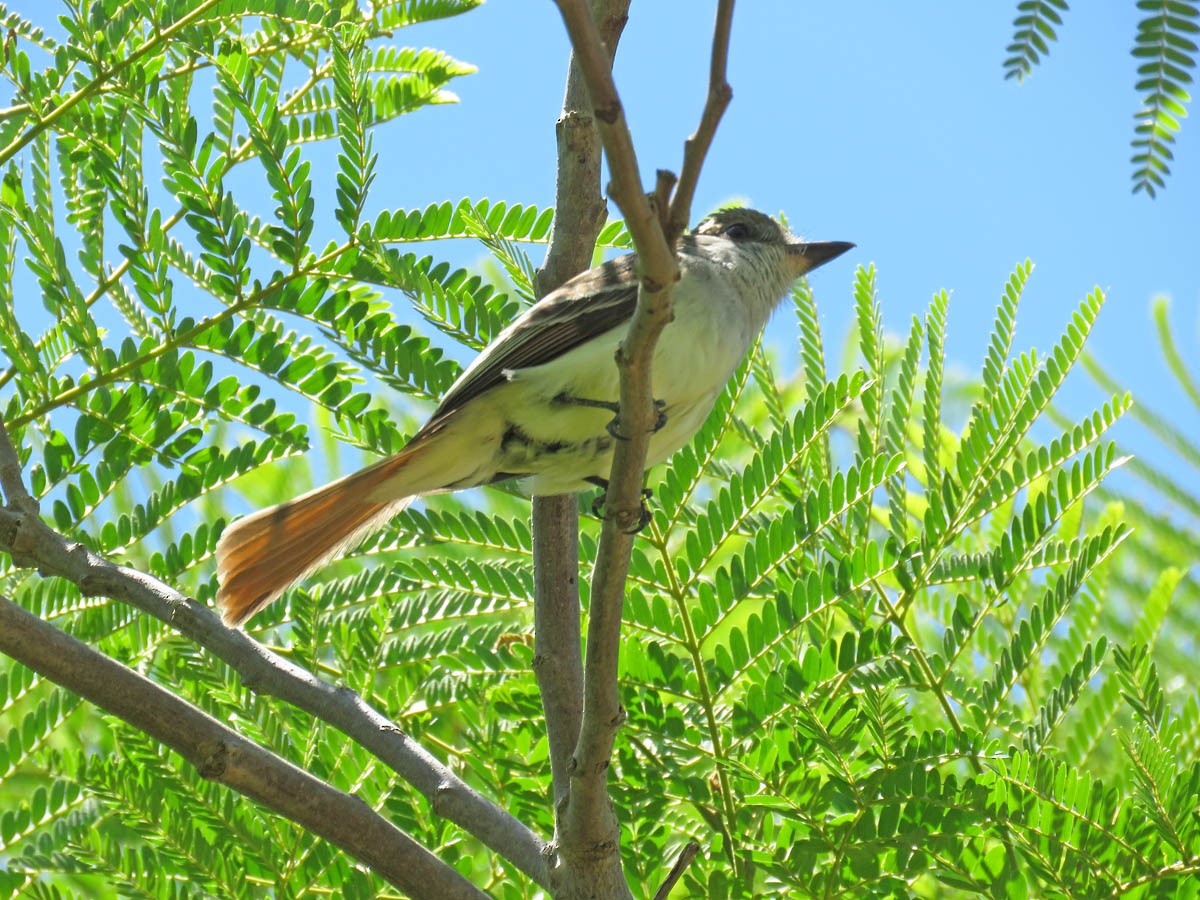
<point>536,403</point>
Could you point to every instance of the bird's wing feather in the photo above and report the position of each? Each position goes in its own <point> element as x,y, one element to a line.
<point>586,306</point>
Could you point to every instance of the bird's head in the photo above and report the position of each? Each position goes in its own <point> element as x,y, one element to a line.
<point>748,226</point>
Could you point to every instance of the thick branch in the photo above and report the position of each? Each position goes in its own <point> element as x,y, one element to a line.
<point>557,656</point>
<point>588,823</point>
<point>579,213</point>
<point>11,484</point>
<point>579,207</point>
<point>32,543</point>
<point>655,256</point>
<point>222,755</point>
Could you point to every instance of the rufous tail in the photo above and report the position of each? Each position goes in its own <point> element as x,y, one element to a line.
<point>260,555</point>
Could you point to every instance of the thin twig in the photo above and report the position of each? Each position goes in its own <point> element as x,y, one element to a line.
<point>32,543</point>
<point>686,855</point>
<point>695,149</point>
<point>94,85</point>
<point>224,756</point>
<point>655,255</point>
<point>664,183</point>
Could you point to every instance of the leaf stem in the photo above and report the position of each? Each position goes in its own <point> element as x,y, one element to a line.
<point>23,140</point>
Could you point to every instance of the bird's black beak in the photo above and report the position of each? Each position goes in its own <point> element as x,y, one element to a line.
<point>807,257</point>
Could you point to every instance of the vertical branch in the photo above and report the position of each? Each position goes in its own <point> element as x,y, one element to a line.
<point>588,824</point>
<point>579,214</point>
<point>588,827</point>
<point>557,656</point>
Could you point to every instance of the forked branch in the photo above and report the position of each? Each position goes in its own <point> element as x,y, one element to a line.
<point>32,543</point>
<point>589,821</point>
<point>579,214</point>
<point>222,755</point>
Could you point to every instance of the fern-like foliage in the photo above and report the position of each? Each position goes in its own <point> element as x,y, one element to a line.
<point>1165,50</point>
<point>1157,587</point>
<point>843,688</point>
<point>1033,32</point>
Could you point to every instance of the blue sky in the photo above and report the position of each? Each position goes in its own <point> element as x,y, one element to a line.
<point>887,124</point>
<point>883,123</point>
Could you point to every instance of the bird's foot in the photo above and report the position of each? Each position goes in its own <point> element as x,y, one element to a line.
<point>660,408</point>
<point>644,514</point>
<point>660,421</point>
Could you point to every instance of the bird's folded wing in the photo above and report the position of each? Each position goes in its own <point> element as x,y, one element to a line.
<point>584,308</point>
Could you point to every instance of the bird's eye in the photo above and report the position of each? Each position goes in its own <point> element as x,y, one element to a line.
<point>738,231</point>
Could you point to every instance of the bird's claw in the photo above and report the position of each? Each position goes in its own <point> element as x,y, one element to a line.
<point>644,514</point>
<point>660,421</point>
<point>660,407</point>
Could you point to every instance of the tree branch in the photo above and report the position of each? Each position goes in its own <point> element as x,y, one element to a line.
<point>579,214</point>
<point>655,256</point>
<point>557,656</point>
<point>10,477</point>
<point>222,755</point>
<point>32,543</point>
<point>589,823</point>
<point>695,148</point>
<point>686,855</point>
<point>588,826</point>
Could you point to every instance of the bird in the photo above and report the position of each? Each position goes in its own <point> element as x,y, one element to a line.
<point>537,404</point>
